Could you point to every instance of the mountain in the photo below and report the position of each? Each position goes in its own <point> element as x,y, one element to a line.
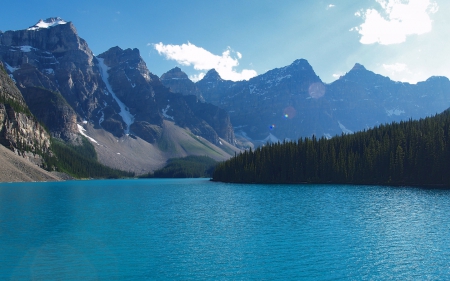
<point>178,82</point>
<point>70,90</point>
<point>363,99</point>
<point>292,102</point>
<point>52,56</point>
<point>20,131</point>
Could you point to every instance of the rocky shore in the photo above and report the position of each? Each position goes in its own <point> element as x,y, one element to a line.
<point>14,168</point>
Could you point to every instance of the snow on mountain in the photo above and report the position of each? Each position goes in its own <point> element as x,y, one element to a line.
<point>127,117</point>
<point>344,129</point>
<point>26,49</point>
<point>82,131</point>
<point>396,111</point>
<point>50,22</point>
<point>271,139</point>
<point>10,68</point>
<point>164,112</point>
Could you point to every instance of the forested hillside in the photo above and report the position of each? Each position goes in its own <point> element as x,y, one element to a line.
<point>405,153</point>
<point>80,161</point>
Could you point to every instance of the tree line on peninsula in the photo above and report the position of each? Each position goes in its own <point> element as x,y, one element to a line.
<point>413,152</point>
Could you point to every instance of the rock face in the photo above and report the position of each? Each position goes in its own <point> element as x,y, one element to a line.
<point>19,129</point>
<point>53,110</point>
<point>292,102</point>
<point>114,91</point>
<point>51,55</point>
<point>274,106</point>
<point>178,82</point>
<point>148,102</point>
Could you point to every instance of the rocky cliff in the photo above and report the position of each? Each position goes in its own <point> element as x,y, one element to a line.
<point>178,82</point>
<point>19,129</point>
<point>51,109</point>
<point>70,90</point>
<point>51,55</point>
<point>114,91</point>
<point>147,101</point>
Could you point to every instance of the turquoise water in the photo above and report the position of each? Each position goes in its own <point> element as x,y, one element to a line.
<point>193,229</point>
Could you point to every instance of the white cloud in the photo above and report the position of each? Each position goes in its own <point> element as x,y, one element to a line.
<point>337,75</point>
<point>397,20</point>
<point>331,6</point>
<point>197,77</point>
<point>201,59</point>
<point>396,67</point>
<point>401,72</point>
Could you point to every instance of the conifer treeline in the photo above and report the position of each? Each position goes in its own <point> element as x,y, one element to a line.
<point>80,161</point>
<point>405,153</point>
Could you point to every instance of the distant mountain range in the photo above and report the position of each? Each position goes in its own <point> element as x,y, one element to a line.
<point>113,97</point>
<point>292,102</point>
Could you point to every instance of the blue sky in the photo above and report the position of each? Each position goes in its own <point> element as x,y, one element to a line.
<point>406,40</point>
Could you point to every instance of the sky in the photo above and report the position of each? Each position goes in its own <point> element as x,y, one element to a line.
<point>406,40</point>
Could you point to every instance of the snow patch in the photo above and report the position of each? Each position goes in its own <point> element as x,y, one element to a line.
<point>124,112</point>
<point>244,135</point>
<point>251,88</point>
<point>47,23</point>
<point>10,68</point>
<point>129,80</point>
<point>344,130</point>
<point>271,138</point>
<point>102,118</point>
<point>26,49</point>
<point>396,112</point>
<point>82,131</point>
<point>277,80</point>
<point>49,71</point>
<point>164,112</point>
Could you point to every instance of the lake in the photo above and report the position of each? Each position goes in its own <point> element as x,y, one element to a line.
<point>194,229</point>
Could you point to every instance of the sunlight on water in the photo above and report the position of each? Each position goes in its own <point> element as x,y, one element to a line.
<point>196,230</point>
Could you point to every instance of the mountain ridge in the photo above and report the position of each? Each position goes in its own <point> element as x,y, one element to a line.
<point>290,102</point>
<point>117,93</point>
<point>113,91</point>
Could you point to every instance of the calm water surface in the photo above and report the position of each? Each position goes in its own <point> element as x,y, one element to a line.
<point>193,229</point>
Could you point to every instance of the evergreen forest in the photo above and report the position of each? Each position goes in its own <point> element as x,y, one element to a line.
<point>408,153</point>
<point>80,161</point>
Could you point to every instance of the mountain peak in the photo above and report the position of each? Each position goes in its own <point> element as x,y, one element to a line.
<point>358,66</point>
<point>50,22</point>
<point>174,73</point>
<point>301,62</point>
<point>212,75</point>
<point>300,65</point>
